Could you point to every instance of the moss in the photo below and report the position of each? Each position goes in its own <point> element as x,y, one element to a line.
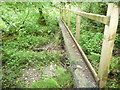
<point>46,83</point>
<point>63,79</point>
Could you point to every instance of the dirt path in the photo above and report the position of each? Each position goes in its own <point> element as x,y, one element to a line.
<point>31,74</point>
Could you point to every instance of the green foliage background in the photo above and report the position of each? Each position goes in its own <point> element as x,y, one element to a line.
<point>22,31</point>
<point>23,28</point>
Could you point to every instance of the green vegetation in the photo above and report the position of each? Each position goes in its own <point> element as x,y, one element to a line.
<point>60,81</point>
<point>25,27</point>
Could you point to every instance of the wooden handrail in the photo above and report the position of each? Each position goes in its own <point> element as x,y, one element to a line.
<point>111,23</point>
<point>84,56</point>
<point>101,18</point>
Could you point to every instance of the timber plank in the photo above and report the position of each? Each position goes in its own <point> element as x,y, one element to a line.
<point>100,18</point>
<point>81,73</point>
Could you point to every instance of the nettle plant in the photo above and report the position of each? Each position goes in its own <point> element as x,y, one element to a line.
<point>91,42</point>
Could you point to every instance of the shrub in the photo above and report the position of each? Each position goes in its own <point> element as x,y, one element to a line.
<point>91,42</point>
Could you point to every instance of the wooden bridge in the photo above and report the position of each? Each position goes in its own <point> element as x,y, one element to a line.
<point>83,73</point>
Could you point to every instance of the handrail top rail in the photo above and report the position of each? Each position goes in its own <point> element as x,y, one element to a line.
<point>101,18</point>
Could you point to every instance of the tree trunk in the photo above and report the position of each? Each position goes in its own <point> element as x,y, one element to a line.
<point>41,19</point>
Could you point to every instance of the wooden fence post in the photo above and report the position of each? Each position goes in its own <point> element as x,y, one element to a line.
<point>62,13</point>
<point>69,17</point>
<point>108,43</point>
<point>65,14</point>
<point>60,10</point>
<point>78,26</point>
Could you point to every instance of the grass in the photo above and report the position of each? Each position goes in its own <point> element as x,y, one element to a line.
<point>17,55</point>
<point>47,83</point>
<point>19,41</point>
<point>63,79</point>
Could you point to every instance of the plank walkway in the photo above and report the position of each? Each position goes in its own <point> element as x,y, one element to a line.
<point>81,73</point>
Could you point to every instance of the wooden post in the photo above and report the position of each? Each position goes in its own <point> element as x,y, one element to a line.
<point>65,14</point>
<point>60,10</point>
<point>69,17</point>
<point>78,26</point>
<point>62,13</point>
<point>108,43</point>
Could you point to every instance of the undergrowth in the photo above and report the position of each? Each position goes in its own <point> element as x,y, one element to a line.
<point>60,81</point>
<point>22,32</point>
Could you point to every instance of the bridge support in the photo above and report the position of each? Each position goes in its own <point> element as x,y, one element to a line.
<point>82,75</point>
<point>108,43</point>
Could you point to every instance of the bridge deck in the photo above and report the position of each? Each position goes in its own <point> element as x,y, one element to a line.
<point>81,73</point>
